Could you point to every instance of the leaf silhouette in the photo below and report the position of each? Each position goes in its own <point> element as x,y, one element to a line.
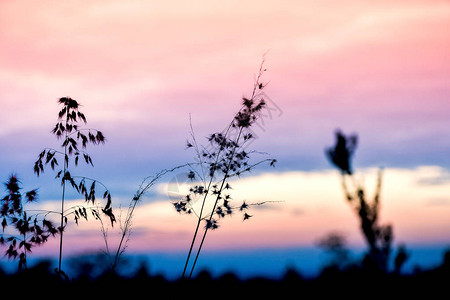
<point>247,216</point>
<point>31,195</point>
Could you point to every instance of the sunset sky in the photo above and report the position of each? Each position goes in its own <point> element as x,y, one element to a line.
<point>143,69</point>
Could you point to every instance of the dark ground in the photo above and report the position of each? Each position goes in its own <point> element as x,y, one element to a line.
<point>332,283</point>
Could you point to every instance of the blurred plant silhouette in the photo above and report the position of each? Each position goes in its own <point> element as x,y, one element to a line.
<point>21,231</point>
<point>341,154</point>
<point>335,245</point>
<point>378,237</point>
<point>224,156</point>
<point>75,140</point>
<point>401,258</point>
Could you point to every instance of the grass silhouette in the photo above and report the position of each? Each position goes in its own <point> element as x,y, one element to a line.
<point>225,156</point>
<point>75,140</point>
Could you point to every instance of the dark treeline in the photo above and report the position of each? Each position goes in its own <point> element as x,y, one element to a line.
<point>354,281</point>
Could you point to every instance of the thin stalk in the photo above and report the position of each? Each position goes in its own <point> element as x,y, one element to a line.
<point>196,229</point>
<point>25,250</point>
<point>63,198</point>
<point>105,238</point>
<point>141,191</point>
<point>124,233</point>
<point>62,224</point>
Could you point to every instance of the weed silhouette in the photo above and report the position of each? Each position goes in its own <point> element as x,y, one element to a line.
<point>224,156</point>
<point>75,140</point>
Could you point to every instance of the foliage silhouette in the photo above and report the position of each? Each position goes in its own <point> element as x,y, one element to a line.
<point>224,156</point>
<point>21,231</point>
<point>74,142</point>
